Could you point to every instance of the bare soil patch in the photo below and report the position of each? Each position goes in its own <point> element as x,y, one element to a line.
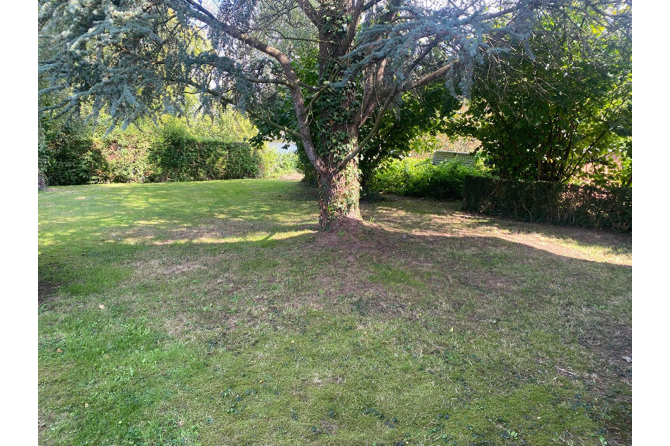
<point>45,290</point>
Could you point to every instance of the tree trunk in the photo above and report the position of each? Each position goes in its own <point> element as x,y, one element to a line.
<point>339,195</point>
<point>41,181</point>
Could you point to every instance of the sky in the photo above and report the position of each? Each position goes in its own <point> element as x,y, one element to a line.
<point>278,146</point>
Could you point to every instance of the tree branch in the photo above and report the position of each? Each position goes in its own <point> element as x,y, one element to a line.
<point>231,102</point>
<point>428,77</point>
<point>298,100</point>
<point>369,136</point>
<point>310,12</point>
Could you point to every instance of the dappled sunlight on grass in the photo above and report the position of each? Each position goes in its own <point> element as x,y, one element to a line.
<point>215,313</point>
<point>252,237</point>
<point>445,220</point>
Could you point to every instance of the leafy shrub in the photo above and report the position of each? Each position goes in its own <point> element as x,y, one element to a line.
<point>241,161</point>
<point>610,172</point>
<point>419,178</point>
<point>126,155</point>
<point>71,153</point>
<point>563,204</point>
<point>68,156</point>
<point>275,164</point>
<point>178,156</point>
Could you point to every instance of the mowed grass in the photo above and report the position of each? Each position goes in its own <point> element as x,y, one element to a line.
<point>214,313</point>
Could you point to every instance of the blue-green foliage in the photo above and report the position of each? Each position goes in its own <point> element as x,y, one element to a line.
<point>419,178</point>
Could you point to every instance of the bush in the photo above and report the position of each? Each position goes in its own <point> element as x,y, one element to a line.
<point>240,160</point>
<point>127,157</point>
<point>419,178</point>
<point>67,155</point>
<point>275,164</point>
<point>562,204</point>
<point>178,156</point>
<point>71,154</point>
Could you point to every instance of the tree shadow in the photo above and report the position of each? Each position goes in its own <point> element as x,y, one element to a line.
<point>416,262</point>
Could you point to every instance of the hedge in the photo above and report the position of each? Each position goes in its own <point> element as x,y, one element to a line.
<point>70,156</point>
<point>560,204</point>
<point>178,156</point>
<point>420,178</point>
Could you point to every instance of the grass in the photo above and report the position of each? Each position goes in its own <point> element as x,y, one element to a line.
<point>214,313</point>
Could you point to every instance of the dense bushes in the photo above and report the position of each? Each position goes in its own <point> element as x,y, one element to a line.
<point>72,154</point>
<point>419,178</point>
<point>563,204</point>
<point>274,164</point>
<point>178,156</point>
<point>67,155</point>
<point>125,158</point>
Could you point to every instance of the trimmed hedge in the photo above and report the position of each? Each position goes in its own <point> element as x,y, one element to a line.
<point>179,156</point>
<point>71,156</point>
<point>420,178</point>
<point>66,156</point>
<point>560,204</point>
<point>124,158</point>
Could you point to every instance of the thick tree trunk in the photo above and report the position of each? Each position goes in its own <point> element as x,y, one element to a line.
<point>339,196</point>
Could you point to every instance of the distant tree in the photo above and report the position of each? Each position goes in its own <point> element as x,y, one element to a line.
<point>142,57</point>
<point>560,99</point>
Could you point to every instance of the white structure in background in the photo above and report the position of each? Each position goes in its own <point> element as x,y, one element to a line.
<point>278,146</point>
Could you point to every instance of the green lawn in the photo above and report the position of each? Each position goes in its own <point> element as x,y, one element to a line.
<point>214,313</point>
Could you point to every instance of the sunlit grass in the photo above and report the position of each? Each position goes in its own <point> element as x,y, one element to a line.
<point>215,313</point>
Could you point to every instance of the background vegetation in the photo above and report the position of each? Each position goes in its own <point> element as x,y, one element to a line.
<point>542,201</point>
<point>72,152</point>
<point>550,106</point>
<point>416,177</point>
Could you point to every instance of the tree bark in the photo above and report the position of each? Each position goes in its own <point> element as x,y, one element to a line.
<point>339,195</point>
<point>41,181</point>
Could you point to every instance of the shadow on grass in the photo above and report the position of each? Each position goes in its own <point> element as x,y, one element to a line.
<point>193,260</point>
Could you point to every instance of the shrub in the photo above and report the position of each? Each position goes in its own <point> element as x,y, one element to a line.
<point>178,156</point>
<point>127,157</point>
<point>563,204</point>
<point>240,160</point>
<point>71,153</point>
<point>68,156</point>
<point>608,173</point>
<point>275,164</point>
<point>419,178</point>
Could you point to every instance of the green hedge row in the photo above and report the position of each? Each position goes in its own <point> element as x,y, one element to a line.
<point>72,155</point>
<point>177,156</point>
<point>561,204</point>
<point>420,178</point>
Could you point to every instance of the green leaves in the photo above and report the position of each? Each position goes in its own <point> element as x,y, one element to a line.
<point>545,117</point>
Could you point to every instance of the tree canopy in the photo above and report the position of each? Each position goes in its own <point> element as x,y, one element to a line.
<point>558,101</point>
<point>342,65</point>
